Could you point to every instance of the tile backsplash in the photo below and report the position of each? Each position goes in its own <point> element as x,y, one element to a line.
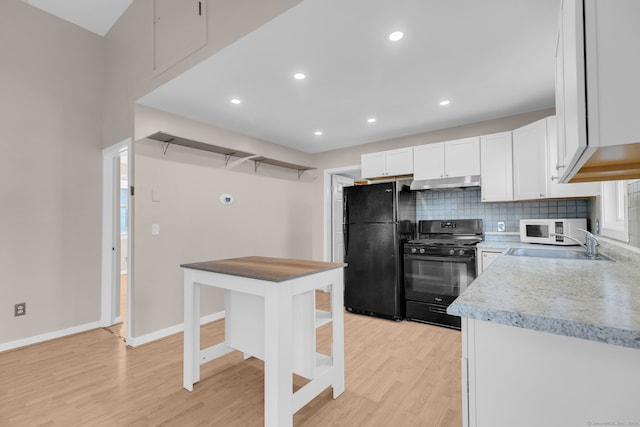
<point>466,204</point>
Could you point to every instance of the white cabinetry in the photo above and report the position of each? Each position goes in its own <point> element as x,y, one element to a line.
<point>486,257</point>
<point>460,157</point>
<point>496,167</point>
<point>554,187</point>
<point>530,161</point>
<point>180,28</point>
<point>597,90</point>
<point>387,163</point>
<point>525,378</point>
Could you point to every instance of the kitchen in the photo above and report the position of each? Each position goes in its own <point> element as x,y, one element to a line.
<point>287,233</point>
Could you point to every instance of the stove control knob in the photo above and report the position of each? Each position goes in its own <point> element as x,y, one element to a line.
<point>461,252</point>
<point>452,252</point>
<point>422,250</point>
<point>414,250</point>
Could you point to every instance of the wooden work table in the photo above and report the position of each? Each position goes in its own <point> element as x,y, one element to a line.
<point>270,314</point>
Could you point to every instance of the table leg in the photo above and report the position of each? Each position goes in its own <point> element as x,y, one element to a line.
<point>337,348</point>
<point>191,355</point>
<point>278,360</point>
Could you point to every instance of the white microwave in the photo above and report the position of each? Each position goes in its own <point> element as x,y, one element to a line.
<point>553,231</point>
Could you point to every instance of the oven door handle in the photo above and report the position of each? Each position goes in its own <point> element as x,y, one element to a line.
<point>439,258</point>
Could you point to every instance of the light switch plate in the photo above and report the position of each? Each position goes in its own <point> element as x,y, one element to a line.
<point>502,226</point>
<point>155,229</point>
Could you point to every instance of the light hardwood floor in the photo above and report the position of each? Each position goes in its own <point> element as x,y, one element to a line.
<point>397,374</point>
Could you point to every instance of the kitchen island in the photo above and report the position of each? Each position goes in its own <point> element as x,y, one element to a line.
<point>270,314</point>
<point>548,341</point>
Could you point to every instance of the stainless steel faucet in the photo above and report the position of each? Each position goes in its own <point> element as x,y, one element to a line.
<point>591,245</point>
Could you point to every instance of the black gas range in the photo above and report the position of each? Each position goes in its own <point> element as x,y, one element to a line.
<point>438,266</point>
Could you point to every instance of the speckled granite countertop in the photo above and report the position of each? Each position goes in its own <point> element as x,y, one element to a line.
<point>593,300</point>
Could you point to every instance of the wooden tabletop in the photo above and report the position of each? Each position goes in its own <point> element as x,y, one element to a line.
<point>265,268</point>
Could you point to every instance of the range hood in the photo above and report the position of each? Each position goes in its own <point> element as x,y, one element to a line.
<point>446,183</point>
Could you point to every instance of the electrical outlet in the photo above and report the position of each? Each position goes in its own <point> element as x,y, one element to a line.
<point>20,309</point>
<point>502,226</point>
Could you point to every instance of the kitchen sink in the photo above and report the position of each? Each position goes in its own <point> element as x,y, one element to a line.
<point>554,253</point>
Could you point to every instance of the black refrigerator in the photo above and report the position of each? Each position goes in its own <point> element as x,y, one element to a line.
<point>377,219</point>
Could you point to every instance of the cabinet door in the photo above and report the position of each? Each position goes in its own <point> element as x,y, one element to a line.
<point>373,165</point>
<point>428,161</point>
<point>571,103</point>
<point>180,28</point>
<point>556,189</point>
<point>462,157</point>
<point>496,167</point>
<point>400,161</point>
<point>530,161</point>
<point>486,258</point>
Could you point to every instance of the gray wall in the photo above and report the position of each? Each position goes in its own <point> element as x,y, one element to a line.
<point>269,216</point>
<point>51,81</point>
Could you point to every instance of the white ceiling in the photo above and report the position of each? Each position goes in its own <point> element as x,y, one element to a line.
<point>94,15</point>
<point>490,58</point>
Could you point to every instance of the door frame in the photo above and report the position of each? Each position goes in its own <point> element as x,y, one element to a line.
<point>110,282</point>
<point>328,202</point>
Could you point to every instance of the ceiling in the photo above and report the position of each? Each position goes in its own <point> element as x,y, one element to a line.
<point>94,15</point>
<point>489,58</point>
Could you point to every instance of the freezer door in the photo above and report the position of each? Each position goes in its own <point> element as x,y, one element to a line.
<point>370,203</point>
<point>372,277</point>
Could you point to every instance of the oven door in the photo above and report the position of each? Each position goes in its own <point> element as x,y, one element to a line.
<point>436,278</point>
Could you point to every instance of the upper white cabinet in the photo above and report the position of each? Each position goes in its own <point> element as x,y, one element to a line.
<point>387,163</point>
<point>460,157</point>
<point>180,28</point>
<point>496,167</point>
<point>530,161</point>
<point>554,187</point>
<point>597,90</point>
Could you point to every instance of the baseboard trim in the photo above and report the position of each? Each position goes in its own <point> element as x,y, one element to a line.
<point>134,342</point>
<point>176,329</point>
<point>49,336</point>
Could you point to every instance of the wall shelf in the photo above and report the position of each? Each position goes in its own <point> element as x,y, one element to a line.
<point>168,139</point>
<point>273,162</point>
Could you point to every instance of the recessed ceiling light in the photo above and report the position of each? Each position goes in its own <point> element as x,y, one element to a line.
<point>318,133</point>
<point>395,36</point>
<point>445,102</point>
<point>299,76</point>
<point>371,120</point>
<point>236,101</point>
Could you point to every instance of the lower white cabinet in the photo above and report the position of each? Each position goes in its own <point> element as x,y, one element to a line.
<point>486,257</point>
<point>520,377</point>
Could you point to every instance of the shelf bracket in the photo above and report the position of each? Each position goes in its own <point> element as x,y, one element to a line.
<point>227,157</point>
<point>300,172</point>
<point>165,147</point>
<point>257,163</point>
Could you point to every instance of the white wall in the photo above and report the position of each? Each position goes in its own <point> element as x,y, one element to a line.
<point>51,86</point>
<point>270,216</point>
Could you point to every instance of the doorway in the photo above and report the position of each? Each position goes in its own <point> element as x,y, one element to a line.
<point>334,181</point>
<point>116,237</point>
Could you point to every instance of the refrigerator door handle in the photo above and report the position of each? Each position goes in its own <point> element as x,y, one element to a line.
<point>345,238</point>
<point>345,209</point>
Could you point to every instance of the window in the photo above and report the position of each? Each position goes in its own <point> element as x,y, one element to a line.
<point>613,210</point>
